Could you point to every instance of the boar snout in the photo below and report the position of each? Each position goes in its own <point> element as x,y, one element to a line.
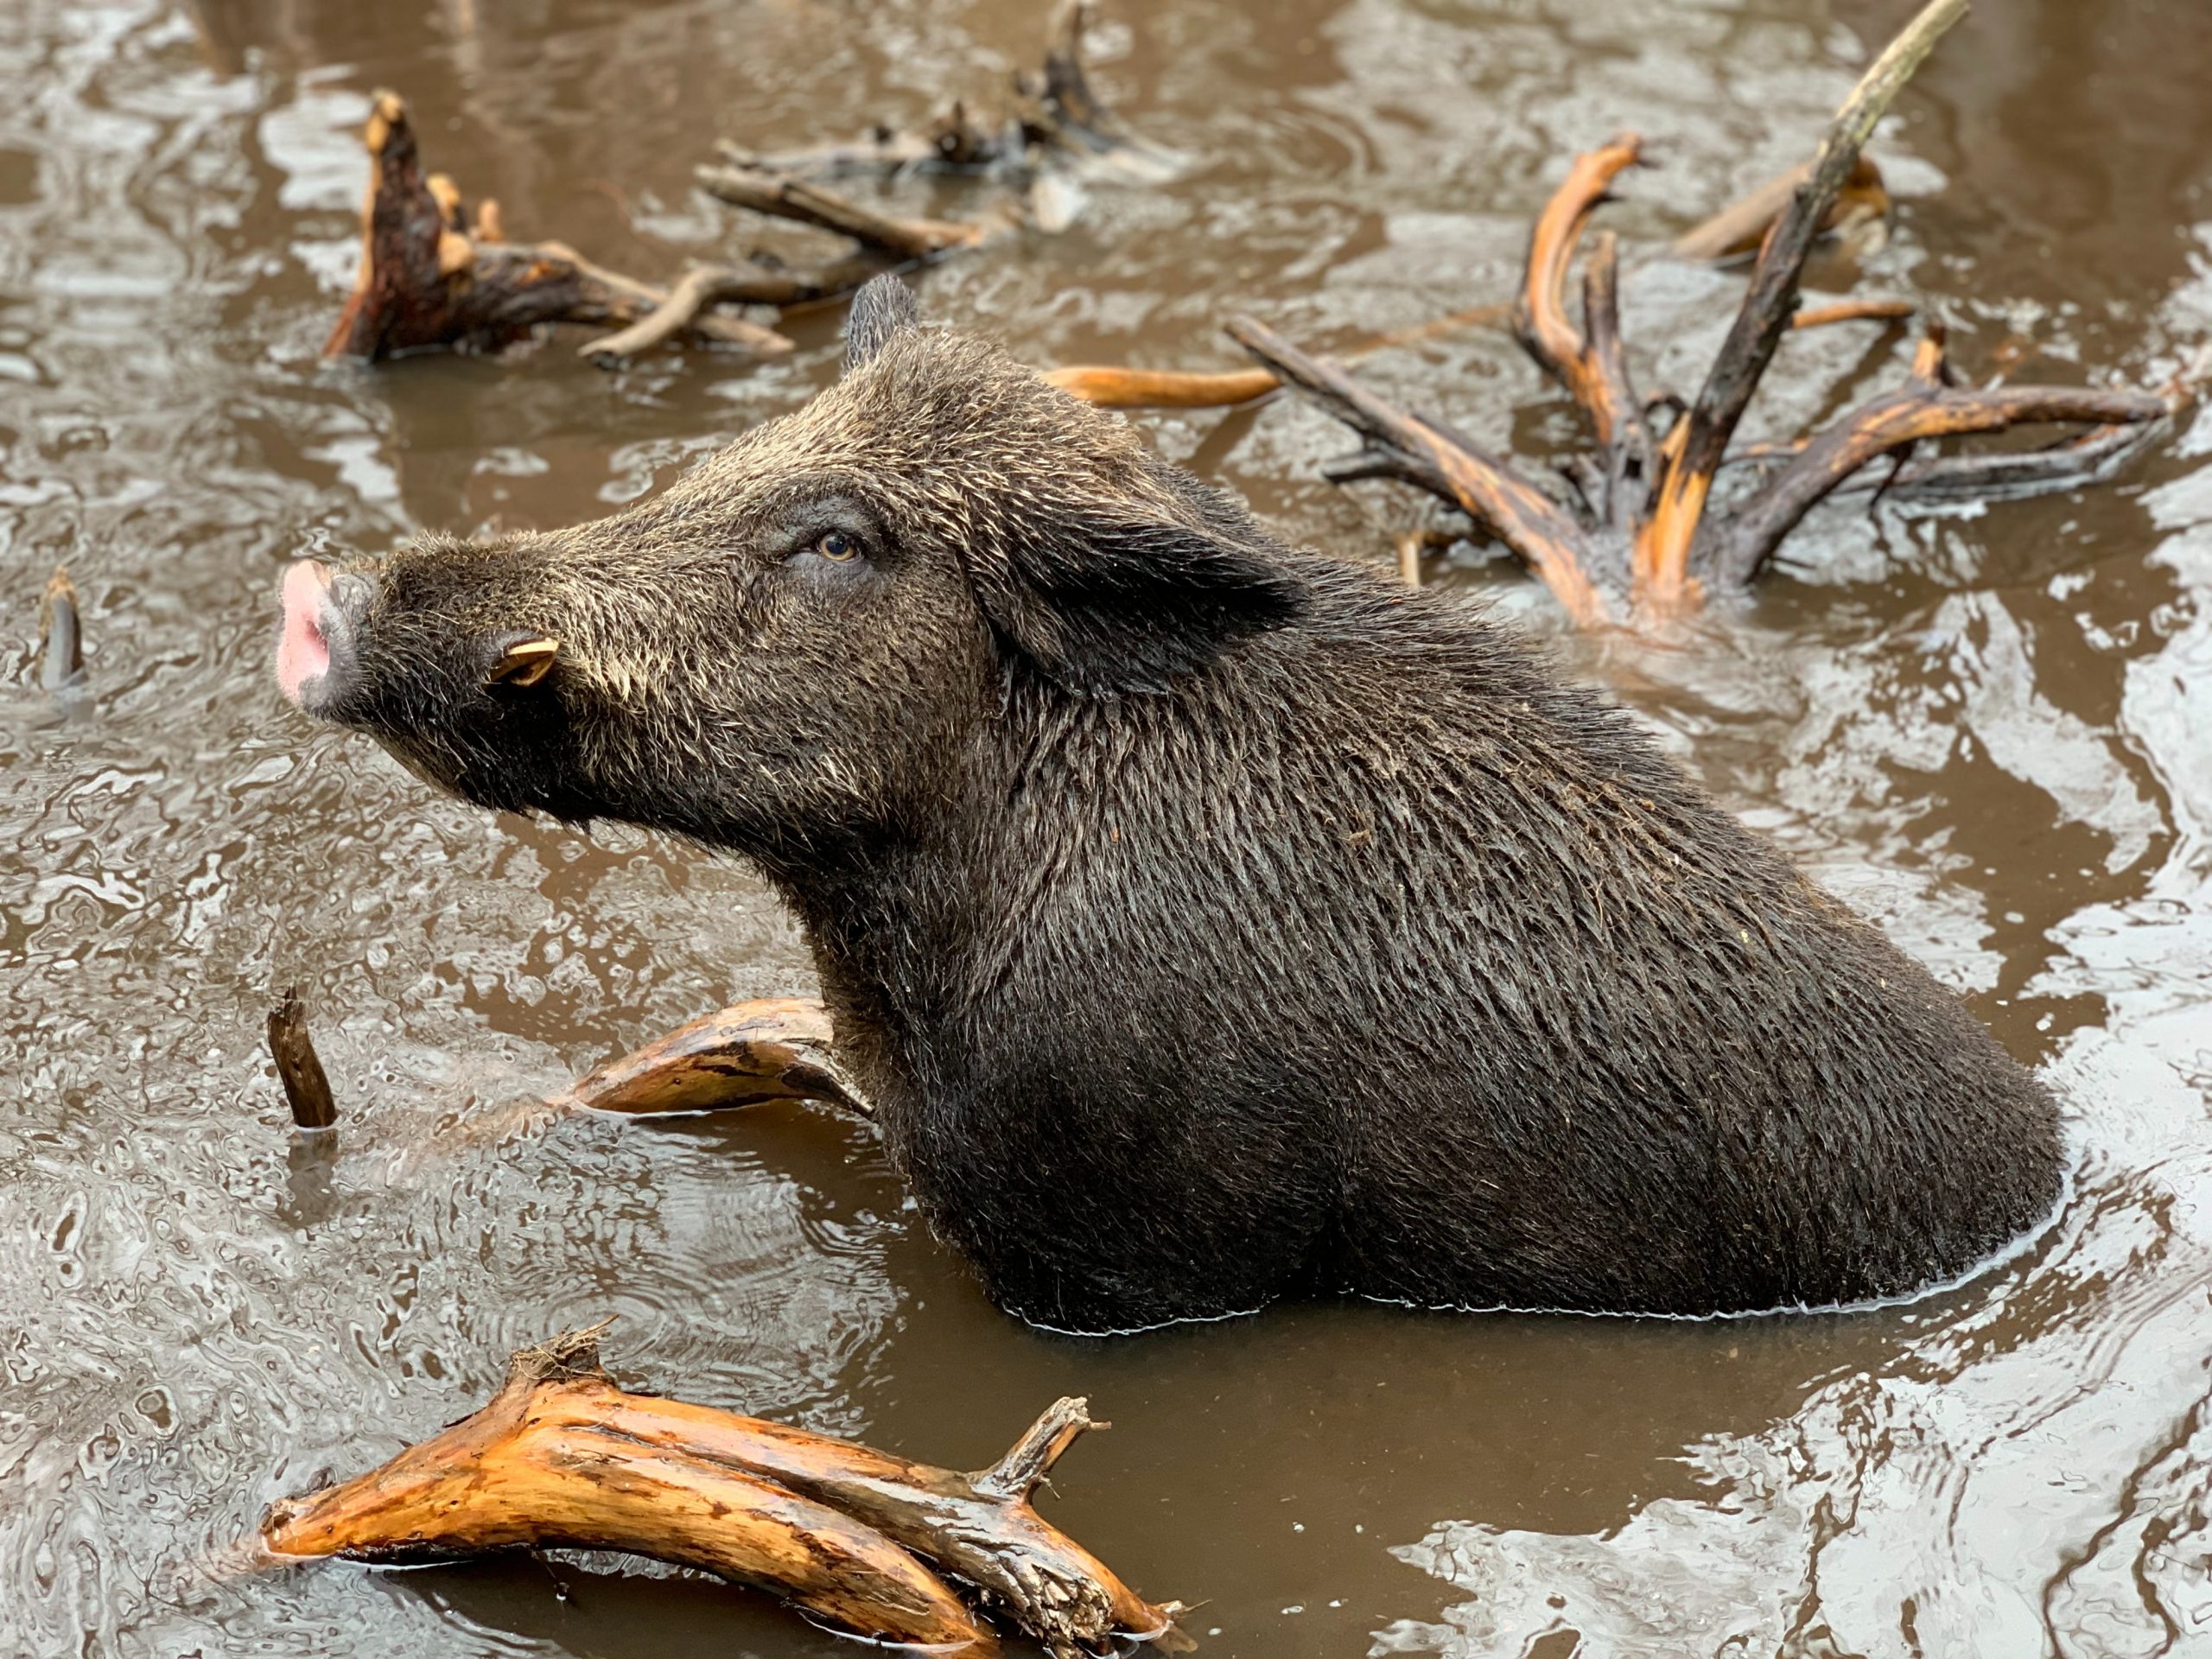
<point>316,648</point>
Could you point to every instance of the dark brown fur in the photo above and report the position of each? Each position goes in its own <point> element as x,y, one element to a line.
<point>1209,920</point>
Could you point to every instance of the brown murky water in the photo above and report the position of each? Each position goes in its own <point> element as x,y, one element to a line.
<point>1987,729</point>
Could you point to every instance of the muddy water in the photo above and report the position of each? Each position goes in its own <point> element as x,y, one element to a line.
<point>1987,729</point>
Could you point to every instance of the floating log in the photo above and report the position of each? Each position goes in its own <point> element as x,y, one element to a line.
<point>562,1458</point>
<point>1638,538</point>
<point>298,1067</point>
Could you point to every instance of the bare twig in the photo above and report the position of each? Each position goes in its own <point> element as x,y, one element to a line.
<point>700,287</point>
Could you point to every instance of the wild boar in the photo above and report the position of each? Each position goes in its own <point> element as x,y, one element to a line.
<point>1209,920</point>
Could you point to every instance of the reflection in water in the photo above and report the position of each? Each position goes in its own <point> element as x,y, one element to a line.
<point>1985,730</point>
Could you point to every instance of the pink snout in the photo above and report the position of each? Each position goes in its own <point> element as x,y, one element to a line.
<point>303,648</point>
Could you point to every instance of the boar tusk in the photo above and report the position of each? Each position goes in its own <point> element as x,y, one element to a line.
<point>525,662</point>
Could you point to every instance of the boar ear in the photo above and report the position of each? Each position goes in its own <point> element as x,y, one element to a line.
<point>1114,604</point>
<point>883,309</point>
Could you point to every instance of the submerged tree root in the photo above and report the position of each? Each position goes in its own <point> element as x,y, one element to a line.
<point>561,1457</point>
<point>1636,534</point>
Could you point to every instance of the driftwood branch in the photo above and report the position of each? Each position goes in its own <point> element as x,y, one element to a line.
<point>435,276</point>
<point>561,1457</point>
<point>898,241</point>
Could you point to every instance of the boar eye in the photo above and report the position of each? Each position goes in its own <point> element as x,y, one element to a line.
<point>838,544</point>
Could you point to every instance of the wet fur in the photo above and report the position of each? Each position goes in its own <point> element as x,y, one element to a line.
<point>1208,921</point>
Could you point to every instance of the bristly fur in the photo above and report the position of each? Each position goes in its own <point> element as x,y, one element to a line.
<point>1210,921</point>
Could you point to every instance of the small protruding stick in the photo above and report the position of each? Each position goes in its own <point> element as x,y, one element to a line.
<point>298,1067</point>
<point>1027,1461</point>
<point>1412,546</point>
<point>1535,528</point>
<point>60,634</point>
<point>1695,448</point>
<point>1874,309</point>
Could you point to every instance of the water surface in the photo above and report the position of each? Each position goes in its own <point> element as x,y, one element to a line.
<point>1987,729</point>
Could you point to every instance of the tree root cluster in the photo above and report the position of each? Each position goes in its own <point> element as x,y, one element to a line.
<point>1637,531</point>
<point>864,1543</point>
<point>436,274</point>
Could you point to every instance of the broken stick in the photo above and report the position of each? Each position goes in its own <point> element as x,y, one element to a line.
<point>561,1457</point>
<point>298,1067</point>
